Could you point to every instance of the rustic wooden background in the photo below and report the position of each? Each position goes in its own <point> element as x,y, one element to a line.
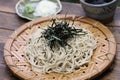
<point>9,21</point>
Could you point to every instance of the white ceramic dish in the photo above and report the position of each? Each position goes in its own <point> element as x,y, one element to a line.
<point>21,5</point>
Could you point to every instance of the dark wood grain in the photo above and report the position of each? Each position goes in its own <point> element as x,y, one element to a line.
<point>9,21</point>
<point>7,5</point>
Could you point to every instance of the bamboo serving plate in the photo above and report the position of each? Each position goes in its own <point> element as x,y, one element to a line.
<point>101,60</point>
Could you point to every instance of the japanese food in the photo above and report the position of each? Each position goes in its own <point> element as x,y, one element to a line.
<point>45,8</point>
<point>60,48</point>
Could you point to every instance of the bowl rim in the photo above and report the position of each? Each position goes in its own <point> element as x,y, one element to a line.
<point>98,5</point>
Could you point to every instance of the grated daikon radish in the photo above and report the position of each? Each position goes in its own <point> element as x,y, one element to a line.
<point>45,8</point>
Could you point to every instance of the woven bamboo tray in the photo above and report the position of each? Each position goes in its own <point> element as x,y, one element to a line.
<point>101,59</point>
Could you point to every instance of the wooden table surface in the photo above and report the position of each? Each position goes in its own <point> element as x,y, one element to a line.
<point>9,21</point>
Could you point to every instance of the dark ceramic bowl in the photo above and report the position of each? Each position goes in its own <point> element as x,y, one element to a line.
<point>102,12</point>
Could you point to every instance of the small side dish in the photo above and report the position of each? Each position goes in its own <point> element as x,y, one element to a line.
<point>32,9</point>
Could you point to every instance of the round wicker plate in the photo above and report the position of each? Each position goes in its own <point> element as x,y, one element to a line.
<point>101,59</point>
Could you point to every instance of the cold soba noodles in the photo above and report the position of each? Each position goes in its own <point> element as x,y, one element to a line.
<point>58,57</point>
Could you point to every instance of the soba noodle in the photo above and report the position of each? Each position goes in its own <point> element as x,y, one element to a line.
<point>60,60</point>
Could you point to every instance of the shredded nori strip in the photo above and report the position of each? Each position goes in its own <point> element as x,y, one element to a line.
<point>59,32</point>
